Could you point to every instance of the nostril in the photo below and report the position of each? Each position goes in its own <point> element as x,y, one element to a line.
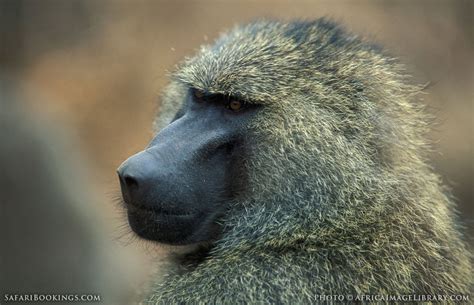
<point>129,186</point>
<point>130,182</point>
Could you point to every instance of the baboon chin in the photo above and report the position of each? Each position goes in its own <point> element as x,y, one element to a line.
<point>295,150</point>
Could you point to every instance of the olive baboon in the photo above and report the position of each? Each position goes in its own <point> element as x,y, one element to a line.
<point>295,155</point>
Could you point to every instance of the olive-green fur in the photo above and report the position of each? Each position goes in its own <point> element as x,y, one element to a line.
<point>340,198</point>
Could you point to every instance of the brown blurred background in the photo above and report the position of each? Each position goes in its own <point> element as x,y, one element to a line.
<point>97,67</point>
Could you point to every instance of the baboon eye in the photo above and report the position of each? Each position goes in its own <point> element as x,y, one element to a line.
<point>198,95</point>
<point>235,105</point>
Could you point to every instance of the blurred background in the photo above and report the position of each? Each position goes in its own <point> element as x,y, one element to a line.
<point>96,68</point>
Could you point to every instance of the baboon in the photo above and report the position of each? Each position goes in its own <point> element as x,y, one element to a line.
<point>294,156</point>
<point>52,241</point>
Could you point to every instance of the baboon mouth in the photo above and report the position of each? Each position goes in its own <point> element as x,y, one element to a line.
<point>162,226</point>
<point>156,211</point>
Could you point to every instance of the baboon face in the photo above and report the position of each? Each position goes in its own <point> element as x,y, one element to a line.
<point>178,187</point>
<point>267,114</point>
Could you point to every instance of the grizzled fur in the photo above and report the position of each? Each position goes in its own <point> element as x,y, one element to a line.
<point>340,197</point>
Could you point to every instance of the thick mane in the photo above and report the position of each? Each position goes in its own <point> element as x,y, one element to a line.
<point>341,198</point>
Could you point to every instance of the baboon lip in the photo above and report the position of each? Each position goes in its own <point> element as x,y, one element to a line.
<point>156,211</point>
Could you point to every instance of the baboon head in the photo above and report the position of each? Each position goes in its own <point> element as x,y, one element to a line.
<point>274,123</point>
